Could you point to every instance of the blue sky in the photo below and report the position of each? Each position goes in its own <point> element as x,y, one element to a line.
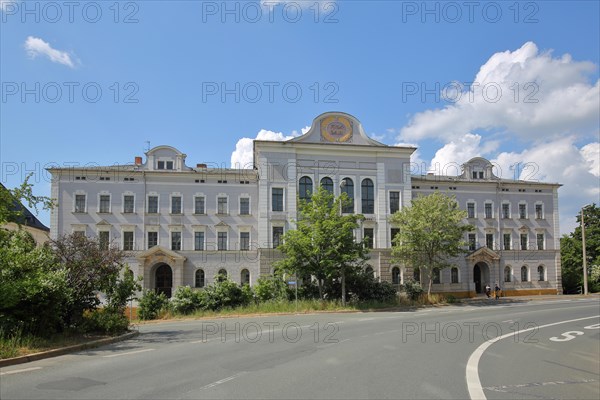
<point>92,82</point>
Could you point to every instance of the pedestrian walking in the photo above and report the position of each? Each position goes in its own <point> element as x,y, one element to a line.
<point>497,291</point>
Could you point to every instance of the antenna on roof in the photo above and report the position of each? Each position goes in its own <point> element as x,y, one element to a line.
<point>147,145</point>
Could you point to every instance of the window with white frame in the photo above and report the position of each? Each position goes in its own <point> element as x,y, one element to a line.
<point>507,273</point>
<point>199,205</point>
<point>244,206</point>
<point>540,241</point>
<point>222,241</point>
<point>222,205</point>
<point>394,202</point>
<point>176,240</point>
<point>80,203</point>
<point>327,184</point>
<point>162,164</point>
<point>277,236</point>
<point>488,210</point>
<point>128,240</point>
<point>104,239</point>
<point>176,204</point>
<point>522,210</point>
<point>199,241</point>
<point>368,234</point>
<point>470,210</point>
<point>244,241</point>
<point>367,193</point>
<point>489,240</point>
<point>104,203</point>
<point>245,277</point>
<point>348,188</point>
<point>507,241</point>
<point>541,273</point>
<point>277,199</point>
<point>454,275</point>
<point>436,275</point>
<point>305,188</point>
<point>539,211</point>
<point>152,239</point>
<point>524,274</point>
<point>524,240</point>
<point>396,275</point>
<point>128,203</point>
<point>506,210</point>
<point>199,281</point>
<point>472,239</point>
<point>152,204</point>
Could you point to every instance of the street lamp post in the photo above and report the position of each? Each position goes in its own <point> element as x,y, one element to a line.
<point>585,282</point>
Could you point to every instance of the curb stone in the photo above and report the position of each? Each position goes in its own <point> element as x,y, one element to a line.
<point>65,350</point>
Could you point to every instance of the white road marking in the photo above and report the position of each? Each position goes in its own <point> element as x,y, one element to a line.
<point>229,378</point>
<point>16,371</point>
<point>203,340</point>
<point>508,320</point>
<point>127,353</point>
<point>504,388</point>
<point>472,372</point>
<point>365,319</point>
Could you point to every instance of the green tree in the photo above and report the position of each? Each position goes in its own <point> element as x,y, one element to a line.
<point>11,209</point>
<point>571,251</point>
<point>431,232</point>
<point>323,243</point>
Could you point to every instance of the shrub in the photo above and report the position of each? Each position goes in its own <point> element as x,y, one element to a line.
<point>223,293</point>
<point>186,300</point>
<point>270,288</point>
<point>412,289</point>
<point>151,304</point>
<point>107,320</point>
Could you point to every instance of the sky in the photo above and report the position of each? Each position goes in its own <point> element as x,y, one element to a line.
<point>99,82</point>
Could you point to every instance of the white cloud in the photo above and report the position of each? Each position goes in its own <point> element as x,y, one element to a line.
<point>524,92</point>
<point>36,46</point>
<point>448,159</point>
<point>242,155</point>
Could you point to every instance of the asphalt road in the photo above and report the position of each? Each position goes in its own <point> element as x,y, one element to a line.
<point>532,350</point>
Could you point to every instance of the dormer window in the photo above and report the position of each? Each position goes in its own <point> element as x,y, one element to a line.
<point>477,174</point>
<point>164,165</point>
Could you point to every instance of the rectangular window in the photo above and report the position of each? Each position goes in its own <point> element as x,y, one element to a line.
<point>277,199</point>
<point>128,201</point>
<point>505,210</point>
<point>221,205</point>
<point>222,241</point>
<point>522,211</point>
<point>540,241</point>
<point>104,203</point>
<point>176,205</point>
<point>199,205</point>
<point>128,240</point>
<point>488,210</point>
<point>507,241</point>
<point>175,240</point>
<point>470,210</point>
<point>199,241</point>
<point>80,203</point>
<point>103,239</point>
<point>152,204</point>
<point>244,240</point>
<point>472,241</point>
<point>393,233</point>
<point>277,236</point>
<point>524,241</point>
<point>368,234</point>
<point>152,239</point>
<point>394,202</point>
<point>165,165</point>
<point>539,211</point>
<point>489,240</point>
<point>244,206</point>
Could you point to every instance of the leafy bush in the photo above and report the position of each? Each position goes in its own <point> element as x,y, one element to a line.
<point>107,320</point>
<point>412,289</point>
<point>223,293</point>
<point>151,304</point>
<point>187,300</point>
<point>270,288</point>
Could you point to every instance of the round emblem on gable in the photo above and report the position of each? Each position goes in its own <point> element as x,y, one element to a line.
<point>336,129</point>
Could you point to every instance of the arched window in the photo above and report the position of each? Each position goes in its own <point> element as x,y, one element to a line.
<point>327,184</point>
<point>436,275</point>
<point>245,277</point>
<point>454,275</point>
<point>367,196</point>
<point>199,278</point>
<point>369,271</point>
<point>305,189</point>
<point>524,274</point>
<point>396,276</point>
<point>417,275</point>
<point>222,275</point>
<point>348,188</point>
<point>507,273</point>
<point>541,273</point>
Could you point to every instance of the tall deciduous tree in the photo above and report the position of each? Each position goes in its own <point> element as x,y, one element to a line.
<point>571,251</point>
<point>11,209</point>
<point>323,243</point>
<point>431,232</point>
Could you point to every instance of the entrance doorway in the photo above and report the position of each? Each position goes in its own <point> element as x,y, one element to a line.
<point>163,278</point>
<point>481,276</point>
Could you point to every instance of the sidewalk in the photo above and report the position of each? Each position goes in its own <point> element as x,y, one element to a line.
<point>481,298</point>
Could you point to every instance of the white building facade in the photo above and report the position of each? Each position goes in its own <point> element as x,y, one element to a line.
<point>185,225</point>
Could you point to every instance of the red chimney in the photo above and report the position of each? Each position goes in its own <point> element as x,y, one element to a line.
<point>138,161</point>
<point>200,165</point>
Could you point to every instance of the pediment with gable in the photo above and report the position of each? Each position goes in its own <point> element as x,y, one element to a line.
<point>337,128</point>
<point>103,222</point>
<point>483,254</point>
<point>160,253</point>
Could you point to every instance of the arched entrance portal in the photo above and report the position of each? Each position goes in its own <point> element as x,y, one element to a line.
<point>163,279</point>
<point>481,276</point>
